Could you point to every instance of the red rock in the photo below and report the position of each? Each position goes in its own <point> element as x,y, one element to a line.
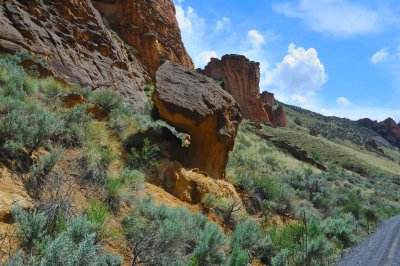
<point>314,132</point>
<point>71,38</point>
<point>388,129</point>
<point>280,117</point>
<point>240,77</point>
<point>196,105</point>
<point>150,27</point>
<point>269,99</point>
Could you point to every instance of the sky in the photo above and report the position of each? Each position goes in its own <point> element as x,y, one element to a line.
<point>335,57</point>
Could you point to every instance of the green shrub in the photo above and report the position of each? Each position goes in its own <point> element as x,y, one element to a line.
<point>42,168</point>
<point>31,226</point>
<point>341,227</point>
<point>77,122</point>
<point>51,88</point>
<point>163,236</point>
<point>115,188</point>
<point>108,100</point>
<point>97,213</point>
<point>96,162</point>
<point>224,207</point>
<point>144,158</point>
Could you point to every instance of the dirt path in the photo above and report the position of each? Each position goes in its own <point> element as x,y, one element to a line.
<point>382,248</point>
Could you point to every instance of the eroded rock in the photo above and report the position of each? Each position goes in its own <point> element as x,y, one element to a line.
<point>71,38</point>
<point>388,129</point>
<point>268,100</point>
<point>280,117</point>
<point>240,77</point>
<point>150,27</point>
<point>192,185</point>
<point>196,105</point>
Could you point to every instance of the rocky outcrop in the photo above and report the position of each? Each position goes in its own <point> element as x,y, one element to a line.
<point>71,38</point>
<point>150,27</point>
<point>196,105</point>
<point>240,77</point>
<point>12,194</point>
<point>300,154</point>
<point>280,117</point>
<point>268,100</point>
<point>314,132</point>
<point>388,129</point>
<point>192,185</point>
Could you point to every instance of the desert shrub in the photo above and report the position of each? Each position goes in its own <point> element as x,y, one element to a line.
<point>209,249</point>
<point>42,168</point>
<point>26,126</point>
<point>341,227</point>
<point>249,237</point>
<point>96,162</point>
<point>145,157</point>
<point>353,205</point>
<point>224,207</point>
<point>159,235</point>
<point>238,257</point>
<point>134,179</point>
<point>31,226</point>
<point>76,121</point>
<point>107,100</point>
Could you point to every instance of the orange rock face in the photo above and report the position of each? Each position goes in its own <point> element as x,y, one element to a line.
<point>196,105</point>
<point>280,117</point>
<point>148,26</point>
<point>269,99</point>
<point>71,38</point>
<point>240,77</point>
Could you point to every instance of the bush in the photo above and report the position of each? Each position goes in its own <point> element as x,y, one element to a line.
<point>77,122</point>
<point>225,208</point>
<point>96,162</point>
<point>41,169</point>
<point>97,213</point>
<point>31,226</point>
<point>107,100</point>
<point>163,236</point>
<point>341,227</point>
<point>144,158</point>
<point>27,127</point>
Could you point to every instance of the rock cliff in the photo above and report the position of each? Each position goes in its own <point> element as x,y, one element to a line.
<point>268,100</point>
<point>388,129</point>
<point>196,105</point>
<point>150,27</point>
<point>280,117</point>
<point>240,77</point>
<point>71,38</point>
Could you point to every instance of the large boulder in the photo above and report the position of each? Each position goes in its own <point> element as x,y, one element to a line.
<point>196,105</point>
<point>71,38</point>
<point>192,185</point>
<point>240,77</point>
<point>268,100</point>
<point>150,27</point>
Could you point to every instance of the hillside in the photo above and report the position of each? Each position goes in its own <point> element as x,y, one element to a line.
<point>115,151</point>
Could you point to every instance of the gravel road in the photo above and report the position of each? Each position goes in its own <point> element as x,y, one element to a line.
<point>382,248</point>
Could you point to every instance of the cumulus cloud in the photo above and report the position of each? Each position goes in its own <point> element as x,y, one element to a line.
<point>255,38</point>
<point>204,57</point>
<point>222,24</point>
<point>187,19</point>
<point>300,72</point>
<point>342,102</point>
<point>337,17</point>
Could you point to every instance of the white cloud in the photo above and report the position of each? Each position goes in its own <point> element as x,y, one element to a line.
<point>342,102</point>
<point>255,38</point>
<point>188,19</point>
<point>204,57</point>
<point>222,24</point>
<point>380,56</point>
<point>338,17</point>
<point>300,72</point>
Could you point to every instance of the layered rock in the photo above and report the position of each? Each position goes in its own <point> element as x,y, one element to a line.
<point>196,105</point>
<point>192,185</point>
<point>240,77</point>
<point>150,27</point>
<point>388,129</point>
<point>71,38</point>
<point>280,117</point>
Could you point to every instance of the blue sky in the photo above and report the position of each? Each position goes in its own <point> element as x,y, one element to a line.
<point>336,57</point>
